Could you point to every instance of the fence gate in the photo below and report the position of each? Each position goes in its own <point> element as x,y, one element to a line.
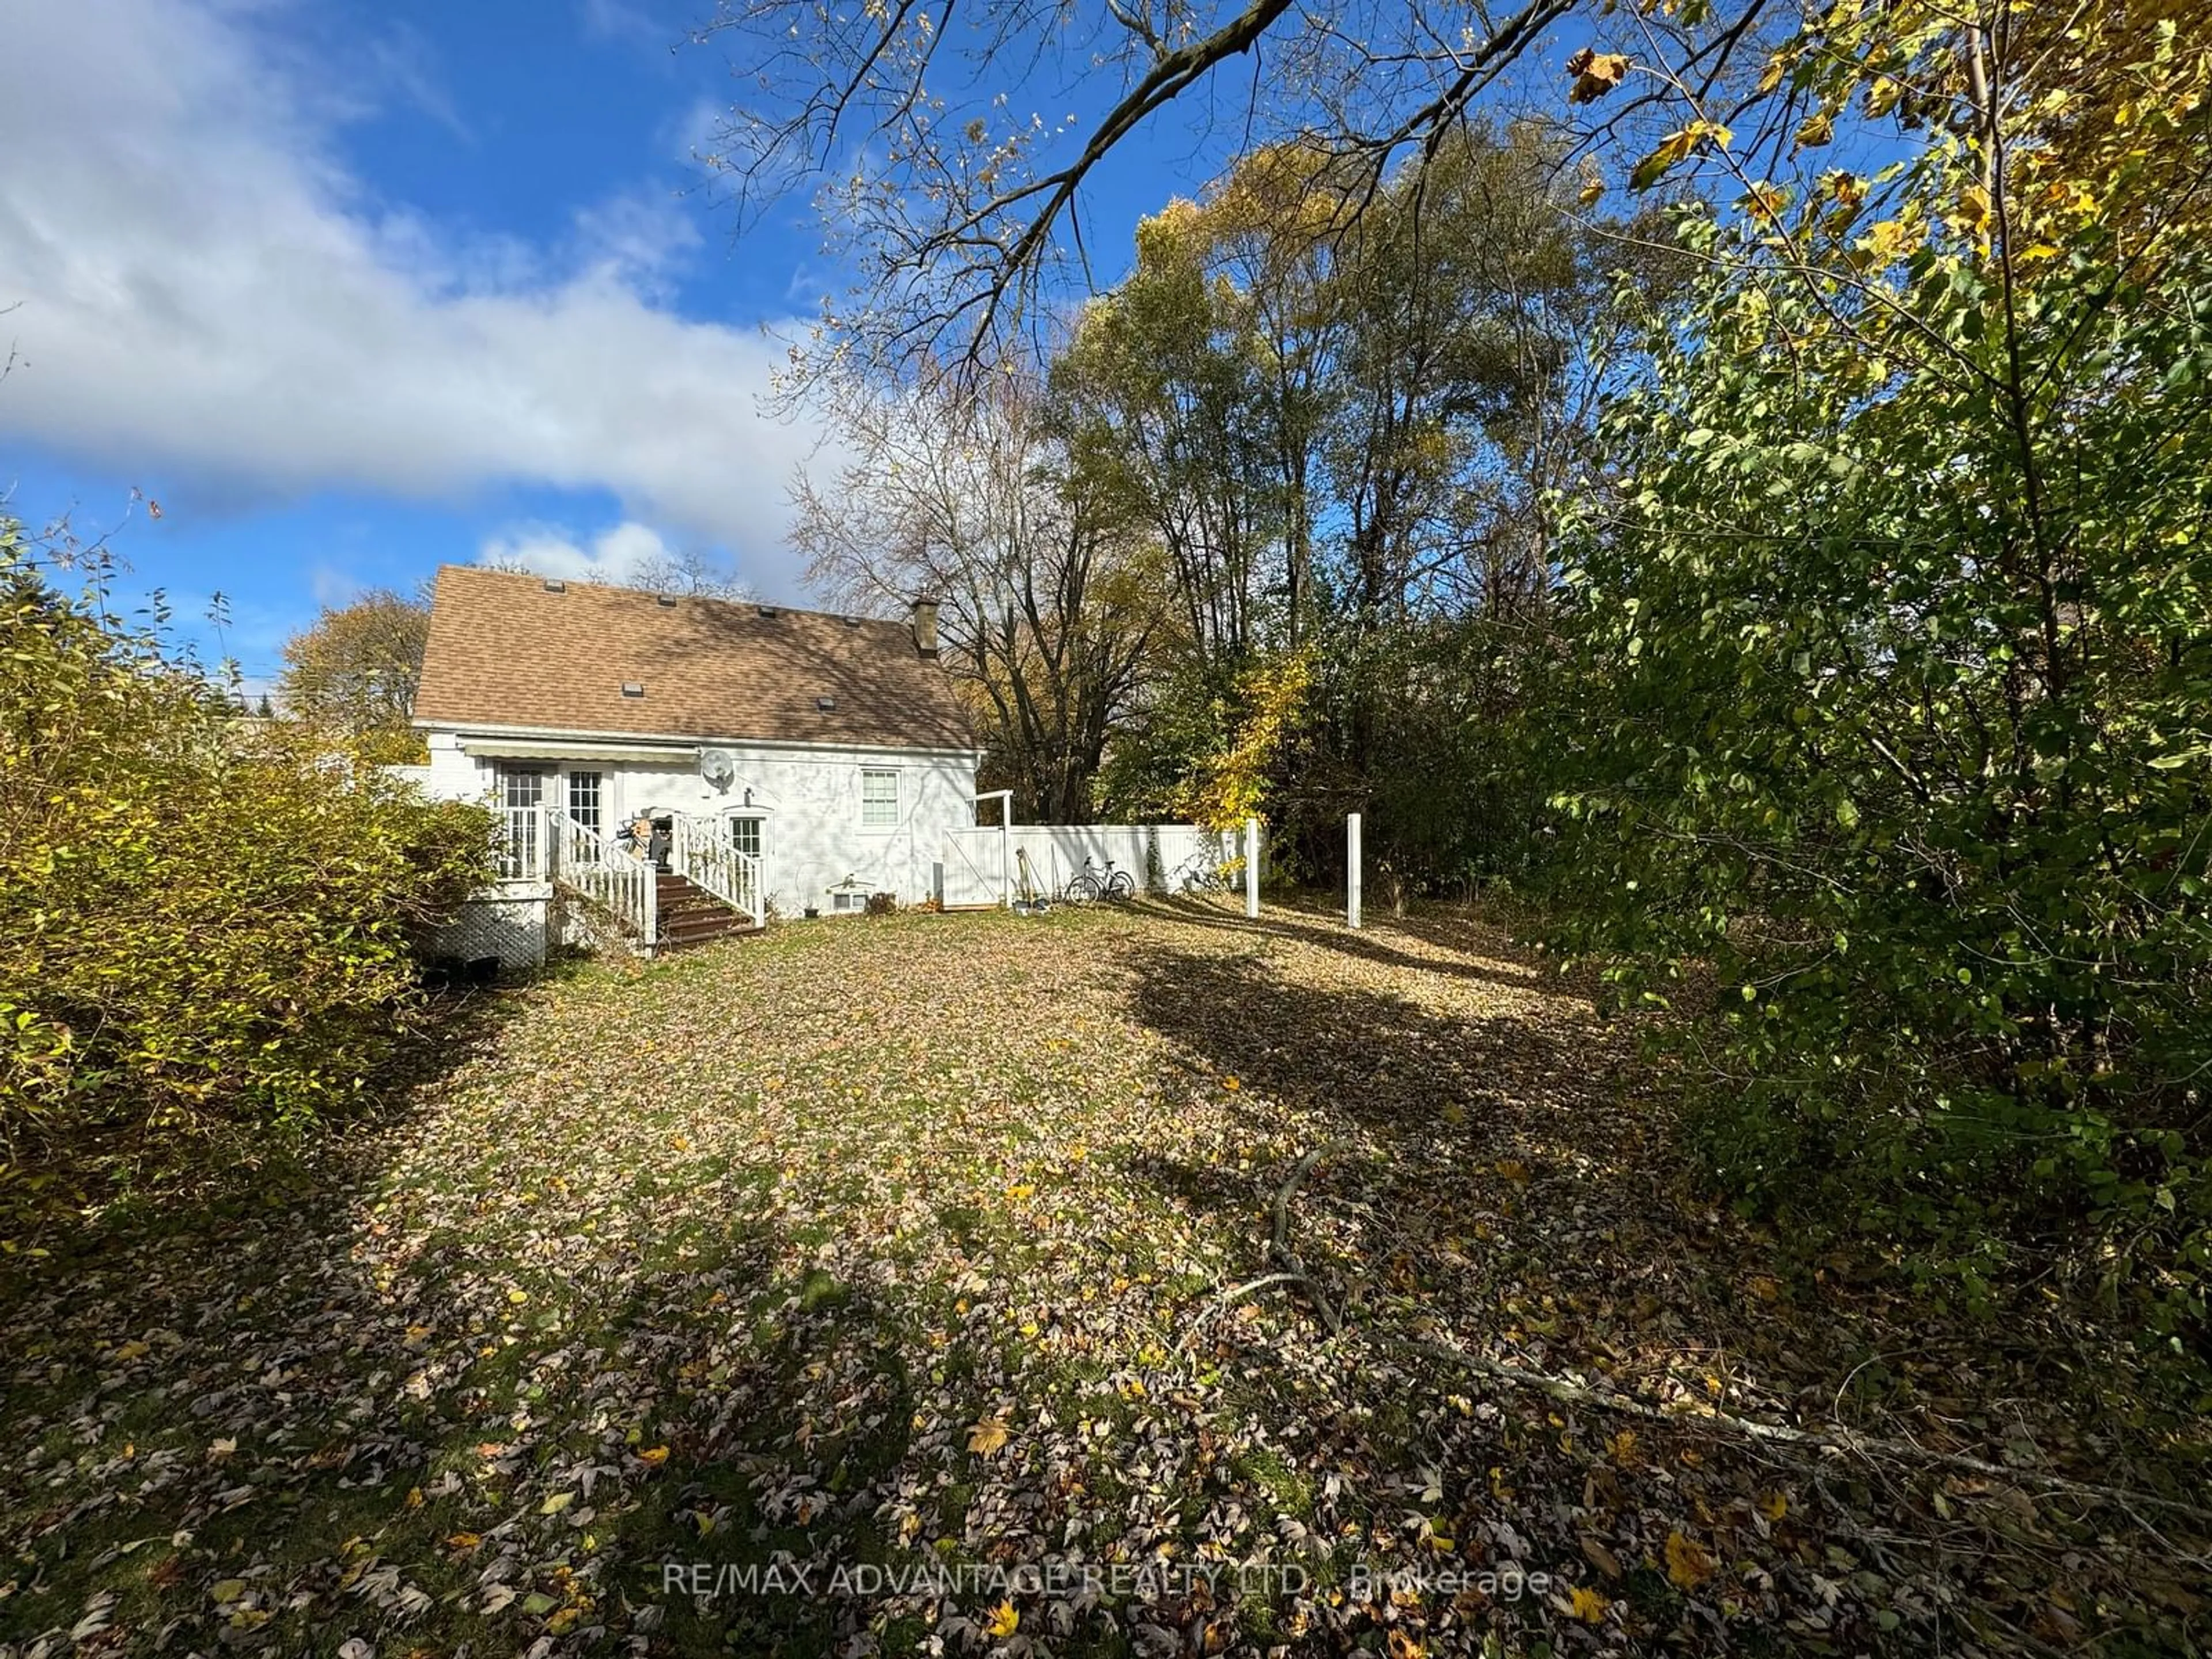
<point>974,872</point>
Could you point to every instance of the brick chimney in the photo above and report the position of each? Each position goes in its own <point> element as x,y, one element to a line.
<point>925,626</point>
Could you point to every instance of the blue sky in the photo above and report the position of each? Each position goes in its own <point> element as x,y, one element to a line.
<point>353,289</point>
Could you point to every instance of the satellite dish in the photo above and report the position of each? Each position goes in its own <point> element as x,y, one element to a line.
<point>717,766</point>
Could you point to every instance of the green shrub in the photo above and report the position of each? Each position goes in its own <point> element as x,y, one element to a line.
<point>203,921</point>
<point>1891,702</point>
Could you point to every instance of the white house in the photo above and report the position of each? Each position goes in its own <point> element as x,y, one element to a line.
<point>789,760</point>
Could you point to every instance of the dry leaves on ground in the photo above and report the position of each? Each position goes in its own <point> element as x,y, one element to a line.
<point>1078,1285</point>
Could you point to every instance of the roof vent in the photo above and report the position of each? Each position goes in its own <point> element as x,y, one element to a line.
<point>555,585</point>
<point>852,622</point>
<point>826,704</point>
<point>667,599</point>
<point>633,688</point>
<point>768,610</point>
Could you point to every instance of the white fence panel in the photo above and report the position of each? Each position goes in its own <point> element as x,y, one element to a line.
<point>1158,856</point>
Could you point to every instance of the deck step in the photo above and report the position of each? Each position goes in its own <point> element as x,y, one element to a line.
<point>701,926</point>
<point>689,915</point>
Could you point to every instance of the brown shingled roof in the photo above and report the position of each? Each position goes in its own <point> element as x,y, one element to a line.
<point>505,652</point>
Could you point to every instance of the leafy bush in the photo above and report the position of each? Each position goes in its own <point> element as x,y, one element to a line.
<point>200,923</point>
<point>1893,700</point>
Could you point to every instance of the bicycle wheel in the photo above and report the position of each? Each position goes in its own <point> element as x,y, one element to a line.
<point>1120,885</point>
<point>1081,888</point>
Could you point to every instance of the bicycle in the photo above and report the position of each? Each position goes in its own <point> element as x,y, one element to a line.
<point>1202,872</point>
<point>1086,885</point>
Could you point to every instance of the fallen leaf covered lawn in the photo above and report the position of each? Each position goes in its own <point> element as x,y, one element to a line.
<point>1119,1281</point>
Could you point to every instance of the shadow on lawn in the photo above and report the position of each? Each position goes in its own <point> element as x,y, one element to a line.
<point>231,1182</point>
<point>1501,1159</point>
<point>1499,964</point>
<point>120,1322</point>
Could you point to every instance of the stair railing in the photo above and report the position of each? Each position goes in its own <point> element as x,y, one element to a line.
<point>610,875</point>
<point>704,854</point>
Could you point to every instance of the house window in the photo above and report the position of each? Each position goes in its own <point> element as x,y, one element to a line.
<point>520,795</point>
<point>745,836</point>
<point>584,800</point>
<point>879,798</point>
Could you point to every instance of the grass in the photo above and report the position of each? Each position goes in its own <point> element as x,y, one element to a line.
<point>906,1243</point>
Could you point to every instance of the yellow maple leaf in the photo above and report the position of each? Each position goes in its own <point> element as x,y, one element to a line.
<point>1514,1170</point>
<point>987,1437</point>
<point>1596,73</point>
<point>1624,1448</point>
<point>1688,1563</point>
<point>1588,1606</point>
<point>1003,1621</point>
<point>1773,1506</point>
<point>654,1456</point>
<point>464,1540</point>
<point>1590,192</point>
<point>1767,199</point>
<point>1891,239</point>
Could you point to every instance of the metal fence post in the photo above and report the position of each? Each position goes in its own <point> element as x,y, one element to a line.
<point>1352,882</point>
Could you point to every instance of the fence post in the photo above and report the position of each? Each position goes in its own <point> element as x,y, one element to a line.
<point>1352,883</point>
<point>1007,851</point>
<point>1251,868</point>
<point>541,832</point>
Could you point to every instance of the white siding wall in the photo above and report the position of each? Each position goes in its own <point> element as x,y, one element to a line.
<point>809,798</point>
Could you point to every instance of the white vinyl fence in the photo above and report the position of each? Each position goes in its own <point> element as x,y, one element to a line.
<point>981,864</point>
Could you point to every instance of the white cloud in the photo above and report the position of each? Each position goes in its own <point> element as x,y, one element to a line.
<point>616,555</point>
<point>333,588</point>
<point>626,21</point>
<point>206,290</point>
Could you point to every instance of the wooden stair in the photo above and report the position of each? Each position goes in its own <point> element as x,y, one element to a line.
<point>691,915</point>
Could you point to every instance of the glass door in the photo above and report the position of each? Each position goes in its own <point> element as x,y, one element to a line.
<point>520,795</point>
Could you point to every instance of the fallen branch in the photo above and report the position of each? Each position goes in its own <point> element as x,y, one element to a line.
<point>1835,1443</point>
<point>1252,1287</point>
<point>1839,1442</point>
<point>1283,1194</point>
<point>1291,1268</point>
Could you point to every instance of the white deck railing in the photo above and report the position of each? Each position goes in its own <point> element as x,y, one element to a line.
<point>610,875</point>
<point>702,852</point>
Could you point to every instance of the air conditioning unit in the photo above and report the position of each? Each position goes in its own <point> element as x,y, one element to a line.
<point>717,766</point>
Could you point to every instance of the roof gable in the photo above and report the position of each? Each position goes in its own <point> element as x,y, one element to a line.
<point>507,650</point>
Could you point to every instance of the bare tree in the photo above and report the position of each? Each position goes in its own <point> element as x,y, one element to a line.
<point>1049,601</point>
<point>963,207</point>
<point>691,573</point>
